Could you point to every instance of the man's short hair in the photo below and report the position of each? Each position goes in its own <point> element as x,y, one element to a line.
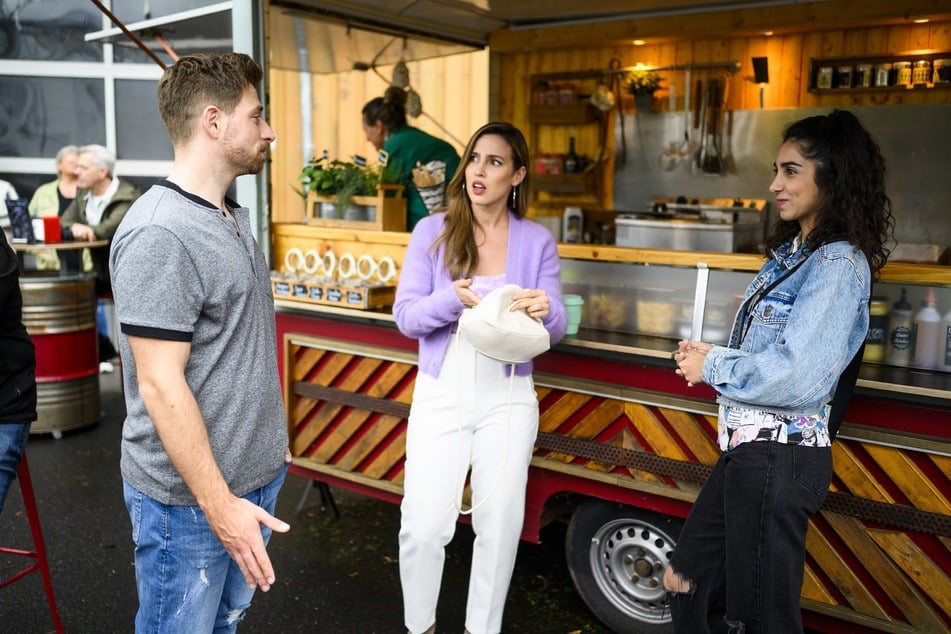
<point>101,157</point>
<point>200,80</point>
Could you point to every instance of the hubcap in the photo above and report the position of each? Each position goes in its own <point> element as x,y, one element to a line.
<point>628,558</point>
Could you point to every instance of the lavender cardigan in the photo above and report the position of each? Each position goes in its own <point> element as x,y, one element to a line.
<point>427,306</point>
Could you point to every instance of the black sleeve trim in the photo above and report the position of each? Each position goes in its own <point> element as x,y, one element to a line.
<point>155,333</point>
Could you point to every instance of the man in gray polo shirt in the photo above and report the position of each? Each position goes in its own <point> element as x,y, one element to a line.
<point>204,444</point>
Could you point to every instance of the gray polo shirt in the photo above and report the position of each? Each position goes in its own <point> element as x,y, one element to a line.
<point>182,272</point>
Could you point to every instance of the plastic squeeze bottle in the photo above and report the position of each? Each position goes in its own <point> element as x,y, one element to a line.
<point>927,327</point>
<point>899,332</point>
<point>944,343</point>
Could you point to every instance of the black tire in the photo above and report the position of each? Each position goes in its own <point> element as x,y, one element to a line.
<point>617,555</point>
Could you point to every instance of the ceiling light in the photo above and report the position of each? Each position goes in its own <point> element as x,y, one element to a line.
<point>920,20</point>
<point>639,42</point>
<point>767,33</point>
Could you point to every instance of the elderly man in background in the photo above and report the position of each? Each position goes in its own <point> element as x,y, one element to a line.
<point>101,202</point>
<point>52,198</point>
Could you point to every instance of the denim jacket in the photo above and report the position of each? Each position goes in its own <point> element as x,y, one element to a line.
<point>799,337</point>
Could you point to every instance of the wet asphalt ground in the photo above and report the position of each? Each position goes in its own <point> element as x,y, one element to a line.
<point>333,575</point>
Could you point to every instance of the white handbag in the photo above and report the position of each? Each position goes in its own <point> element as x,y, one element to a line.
<point>498,332</point>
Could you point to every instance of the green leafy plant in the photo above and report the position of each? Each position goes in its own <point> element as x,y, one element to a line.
<point>643,82</point>
<point>341,180</point>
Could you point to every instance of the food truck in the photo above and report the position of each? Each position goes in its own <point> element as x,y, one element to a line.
<point>668,210</point>
<point>623,445</point>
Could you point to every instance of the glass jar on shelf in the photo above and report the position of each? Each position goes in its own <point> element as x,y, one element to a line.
<point>863,76</point>
<point>843,76</point>
<point>921,72</point>
<point>901,71</point>
<point>883,73</point>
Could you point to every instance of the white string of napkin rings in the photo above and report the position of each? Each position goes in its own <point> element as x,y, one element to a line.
<point>365,268</point>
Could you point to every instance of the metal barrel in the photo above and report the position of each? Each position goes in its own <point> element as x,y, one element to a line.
<point>60,316</point>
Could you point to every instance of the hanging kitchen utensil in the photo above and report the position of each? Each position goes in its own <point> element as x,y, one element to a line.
<point>700,125</point>
<point>729,162</point>
<point>615,66</point>
<point>670,156</point>
<point>711,161</point>
<point>687,147</point>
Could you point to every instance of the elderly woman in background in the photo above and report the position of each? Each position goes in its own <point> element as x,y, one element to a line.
<point>52,198</point>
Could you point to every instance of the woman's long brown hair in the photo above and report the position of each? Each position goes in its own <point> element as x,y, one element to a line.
<point>458,236</point>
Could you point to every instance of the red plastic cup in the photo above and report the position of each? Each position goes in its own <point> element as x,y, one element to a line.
<point>51,229</point>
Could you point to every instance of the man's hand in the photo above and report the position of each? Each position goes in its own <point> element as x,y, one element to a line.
<point>237,527</point>
<point>82,233</point>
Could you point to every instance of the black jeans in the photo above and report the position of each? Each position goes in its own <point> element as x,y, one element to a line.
<point>743,546</point>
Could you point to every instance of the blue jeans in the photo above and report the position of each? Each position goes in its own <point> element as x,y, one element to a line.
<point>742,549</point>
<point>186,580</point>
<point>13,437</point>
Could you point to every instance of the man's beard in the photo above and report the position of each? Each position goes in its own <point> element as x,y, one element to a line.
<point>245,162</point>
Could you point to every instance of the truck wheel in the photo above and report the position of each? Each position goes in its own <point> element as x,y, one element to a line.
<point>616,555</point>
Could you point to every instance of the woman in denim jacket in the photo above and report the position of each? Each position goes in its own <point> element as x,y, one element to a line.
<point>738,566</point>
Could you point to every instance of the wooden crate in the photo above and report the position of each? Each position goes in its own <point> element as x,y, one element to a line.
<point>389,203</point>
<point>340,295</point>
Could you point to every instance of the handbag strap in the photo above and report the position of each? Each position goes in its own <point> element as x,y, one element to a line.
<point>758,296</point>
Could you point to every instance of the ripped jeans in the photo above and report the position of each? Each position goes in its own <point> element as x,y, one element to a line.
<point>742,549</point>
<point>186,580</point>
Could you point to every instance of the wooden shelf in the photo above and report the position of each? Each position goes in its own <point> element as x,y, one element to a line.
<point>565,183</point>
<point>557,189</point>
<point>576,113</point>
<point>834,62</point>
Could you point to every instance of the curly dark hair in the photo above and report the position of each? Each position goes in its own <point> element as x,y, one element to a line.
<point>462,254</point>
<point>850,175</point>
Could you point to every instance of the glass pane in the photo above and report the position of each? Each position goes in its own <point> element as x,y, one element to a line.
<point>49,30</point>
<point>203,34</point>
<point>140,133</point>
<point>39,115</point>
<point>135,10</point>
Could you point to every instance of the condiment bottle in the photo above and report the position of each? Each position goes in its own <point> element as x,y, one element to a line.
<point>571,158</point>
<point>944,343</point>
<point>927,325</point>
<point>899,332</point>
<point>877,330</point>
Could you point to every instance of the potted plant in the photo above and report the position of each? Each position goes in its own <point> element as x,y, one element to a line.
<point>340,181</point>
<point>642,83</point>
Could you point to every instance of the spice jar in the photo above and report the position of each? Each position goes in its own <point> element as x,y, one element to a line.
<point>882,73</point>
<point>824,78</point>
<point>843,77</point>
<point>942,71</point>
<point>863,76</point>
<point>921,72</point>
<point>901,71</point>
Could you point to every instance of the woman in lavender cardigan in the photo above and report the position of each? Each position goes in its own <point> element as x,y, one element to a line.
<point>469,409</point>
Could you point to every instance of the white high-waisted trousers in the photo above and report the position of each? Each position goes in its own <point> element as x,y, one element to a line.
<point>459,419</point>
